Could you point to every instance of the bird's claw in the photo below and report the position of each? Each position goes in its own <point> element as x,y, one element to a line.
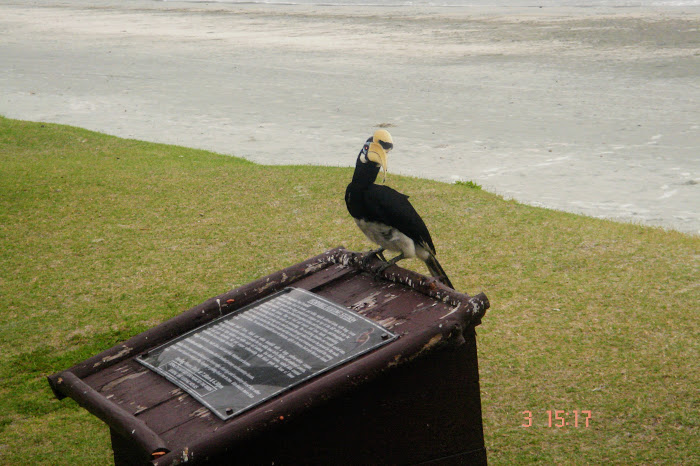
<point>378,272</point>
<point>382,268</point>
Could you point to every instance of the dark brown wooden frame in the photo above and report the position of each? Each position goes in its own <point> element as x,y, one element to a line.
<point>153,420</point>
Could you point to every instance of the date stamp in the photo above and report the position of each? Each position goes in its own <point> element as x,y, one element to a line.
<point>560,418</point>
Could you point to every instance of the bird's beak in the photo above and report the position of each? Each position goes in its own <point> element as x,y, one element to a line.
<point>377,154</point>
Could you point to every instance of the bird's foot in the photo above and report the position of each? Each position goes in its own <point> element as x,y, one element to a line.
<point>374,253</point>
<point>388,264</point>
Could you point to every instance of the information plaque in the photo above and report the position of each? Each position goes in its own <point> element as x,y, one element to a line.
<point>242,359</point>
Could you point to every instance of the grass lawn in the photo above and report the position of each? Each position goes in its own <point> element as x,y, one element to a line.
<point>102,238</point>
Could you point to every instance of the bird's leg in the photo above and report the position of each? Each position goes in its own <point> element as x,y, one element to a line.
<point>372,253</point>
<point>389,263</point>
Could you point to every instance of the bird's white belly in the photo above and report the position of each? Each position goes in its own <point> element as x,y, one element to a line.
<point>388,237</point>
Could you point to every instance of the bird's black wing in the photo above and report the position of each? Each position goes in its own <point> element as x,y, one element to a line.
<point>390,207</point>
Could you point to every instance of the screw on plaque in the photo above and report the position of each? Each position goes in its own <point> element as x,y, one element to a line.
<point>385,336</point>
<point>229,411</point>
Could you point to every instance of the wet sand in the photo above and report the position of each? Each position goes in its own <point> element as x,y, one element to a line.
<point>588,110</point>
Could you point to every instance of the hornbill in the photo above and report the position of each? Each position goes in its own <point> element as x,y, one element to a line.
<point>385,215</point>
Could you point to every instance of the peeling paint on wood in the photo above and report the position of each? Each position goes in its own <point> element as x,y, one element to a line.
<point>395,362</point>
<point>108,387</point>
<point>391,322</point>
<point>366,303</point>
<point>119,355</point>
<point>201,412</point>
<point>455,309</point>
<point>267,286</point>
<point>140,409</point>
<point>432,342</point>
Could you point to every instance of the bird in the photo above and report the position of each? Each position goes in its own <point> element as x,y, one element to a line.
<point>386,216</point>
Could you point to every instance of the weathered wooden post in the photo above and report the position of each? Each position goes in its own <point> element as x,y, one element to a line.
<point>319,363</point>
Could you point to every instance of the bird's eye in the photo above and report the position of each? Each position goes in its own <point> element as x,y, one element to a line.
<point>386,145</point>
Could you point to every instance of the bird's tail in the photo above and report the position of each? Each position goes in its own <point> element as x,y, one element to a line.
<point>437,271</point>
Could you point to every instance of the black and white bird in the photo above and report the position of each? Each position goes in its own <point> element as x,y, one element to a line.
<point>385,215</point>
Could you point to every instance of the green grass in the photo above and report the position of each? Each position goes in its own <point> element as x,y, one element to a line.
<point>102,238</point>
<point>468,184</point>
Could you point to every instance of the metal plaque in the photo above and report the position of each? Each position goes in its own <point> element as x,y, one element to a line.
<point>242,359</point>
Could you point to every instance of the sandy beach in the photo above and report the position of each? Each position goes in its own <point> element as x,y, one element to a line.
<point>587,110</point>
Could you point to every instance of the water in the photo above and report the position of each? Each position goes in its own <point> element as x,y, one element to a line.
<point>587,115</point>
<point>480,3</point>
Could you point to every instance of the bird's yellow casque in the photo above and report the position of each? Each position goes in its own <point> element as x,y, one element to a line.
<point>376,152</point>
